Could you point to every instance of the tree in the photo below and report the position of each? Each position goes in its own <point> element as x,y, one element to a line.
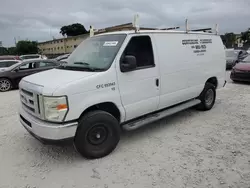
<point>245,36</point>
<point>26,47</point>
<point>3,51</point>
<point>229,39</point>
<point>12,50</point>
<point>73,30</point>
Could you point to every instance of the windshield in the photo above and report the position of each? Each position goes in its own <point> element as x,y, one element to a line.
<point>247,59</point>
<point>13,66</point>
<point>96,53</point>
<point>4,64</point>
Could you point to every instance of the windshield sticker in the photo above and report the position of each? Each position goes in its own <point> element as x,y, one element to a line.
<point>110,43</point>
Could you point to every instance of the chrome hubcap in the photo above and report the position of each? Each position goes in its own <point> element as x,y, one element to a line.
<point>4,85</point>
<point>209,98</point>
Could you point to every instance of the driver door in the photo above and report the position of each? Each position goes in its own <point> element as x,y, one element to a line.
<point>139,89</point>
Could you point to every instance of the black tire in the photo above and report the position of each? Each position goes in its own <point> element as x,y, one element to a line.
<point>97,135</point>
<point>207,97</point>
<point>5,85</point>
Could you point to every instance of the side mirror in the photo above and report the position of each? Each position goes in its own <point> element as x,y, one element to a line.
<point>128,63</point>
<point>16,70</point>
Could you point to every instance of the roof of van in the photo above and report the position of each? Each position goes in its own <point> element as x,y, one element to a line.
<point>154,31</point>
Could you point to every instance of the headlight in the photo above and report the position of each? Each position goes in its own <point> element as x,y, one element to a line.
<point>55,108</point>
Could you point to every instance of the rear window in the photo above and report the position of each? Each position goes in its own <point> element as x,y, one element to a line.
<point>30,57</point>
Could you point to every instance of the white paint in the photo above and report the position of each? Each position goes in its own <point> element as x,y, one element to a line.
<point>182,74</point>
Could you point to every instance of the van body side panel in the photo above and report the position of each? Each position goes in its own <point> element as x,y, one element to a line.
<point>186,61</point>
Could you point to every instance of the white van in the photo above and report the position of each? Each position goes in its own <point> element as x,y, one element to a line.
<point>122,79</point>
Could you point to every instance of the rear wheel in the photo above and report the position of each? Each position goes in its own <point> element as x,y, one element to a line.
<point>97,135</point>
<point>207,97</point>
<point>5,85</point>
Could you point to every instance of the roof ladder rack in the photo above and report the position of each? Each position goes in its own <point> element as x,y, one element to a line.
<point>136,27</point>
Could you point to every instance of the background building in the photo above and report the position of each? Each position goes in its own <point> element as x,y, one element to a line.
<point>62,45</point>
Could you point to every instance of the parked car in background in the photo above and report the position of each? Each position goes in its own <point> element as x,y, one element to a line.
<point>9,57</point>
<point>11,77</point>
<point>7,63</point>
<point>32,57</point>
<point>234,56</point>
<point>242,54</point>
<point>241,71</point>
<point>62,57</point>
<point>231,58</point>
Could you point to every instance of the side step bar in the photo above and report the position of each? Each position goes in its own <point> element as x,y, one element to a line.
<point>154,117</point>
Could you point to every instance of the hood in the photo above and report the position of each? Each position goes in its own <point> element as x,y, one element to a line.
<point>243,66</point>
<point>55,78</point>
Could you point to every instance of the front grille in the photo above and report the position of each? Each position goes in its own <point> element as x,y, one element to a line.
<point>30,102</point>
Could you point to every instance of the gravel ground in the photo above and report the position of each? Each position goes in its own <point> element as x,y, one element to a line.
<point>189,149</point>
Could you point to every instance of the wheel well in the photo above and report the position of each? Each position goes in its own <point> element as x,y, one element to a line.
<point>107,107</point>
<point>213,80</point>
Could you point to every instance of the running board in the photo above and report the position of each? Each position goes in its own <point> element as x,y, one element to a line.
<point>154,117</point>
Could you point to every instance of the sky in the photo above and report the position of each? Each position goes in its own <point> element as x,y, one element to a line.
<point>40,20</point>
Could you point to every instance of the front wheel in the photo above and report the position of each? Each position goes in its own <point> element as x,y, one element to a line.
<point>207,97</point>
<point>97,135</point>
<point>5,85</point>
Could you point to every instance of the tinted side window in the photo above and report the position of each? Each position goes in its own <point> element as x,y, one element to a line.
<point>46,64</point>
<point>27,66</point>
<point>30,56</point>
<point>141,48</point>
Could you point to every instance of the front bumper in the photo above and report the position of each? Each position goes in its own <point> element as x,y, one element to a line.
<point>45,131</point>
<point>240,76</point>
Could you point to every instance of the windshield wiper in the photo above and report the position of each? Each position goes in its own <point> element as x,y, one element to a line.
<point>80,63</point>
<point>87,68</point>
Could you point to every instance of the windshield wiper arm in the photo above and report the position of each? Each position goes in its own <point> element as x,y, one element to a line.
<point>79,68</point>
<point>80,63</point>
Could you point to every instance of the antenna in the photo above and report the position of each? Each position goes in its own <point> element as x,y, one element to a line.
<point>187,26</point>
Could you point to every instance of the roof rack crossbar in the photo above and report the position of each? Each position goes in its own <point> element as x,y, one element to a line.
<point>203,29</point>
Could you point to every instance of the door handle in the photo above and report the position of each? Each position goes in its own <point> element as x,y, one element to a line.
<point>157,82</point>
